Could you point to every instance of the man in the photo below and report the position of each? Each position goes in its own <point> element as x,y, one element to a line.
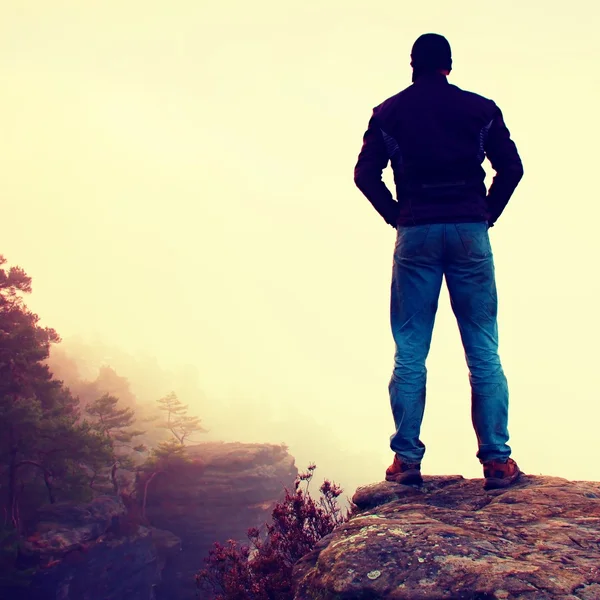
<point>436,137</point>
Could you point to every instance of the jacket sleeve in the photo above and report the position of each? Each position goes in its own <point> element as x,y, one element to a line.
<point>372,160</point>
<point>504,157</point>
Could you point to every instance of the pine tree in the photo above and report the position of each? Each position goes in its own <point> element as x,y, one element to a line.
<point>41,435</point>
<point>178,422</point>
<point>113,422</point>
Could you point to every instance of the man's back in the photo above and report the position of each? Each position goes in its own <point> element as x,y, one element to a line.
<point>437,136</point>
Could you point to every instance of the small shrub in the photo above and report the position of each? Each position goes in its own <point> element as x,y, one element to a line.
<point>262,570</point>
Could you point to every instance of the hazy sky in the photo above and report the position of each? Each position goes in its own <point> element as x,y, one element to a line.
<point>177,179</point>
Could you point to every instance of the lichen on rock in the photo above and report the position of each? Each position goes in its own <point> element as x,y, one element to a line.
<point>451,540</point>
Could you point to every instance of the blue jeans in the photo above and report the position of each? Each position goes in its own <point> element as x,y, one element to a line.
<point>423,255</point>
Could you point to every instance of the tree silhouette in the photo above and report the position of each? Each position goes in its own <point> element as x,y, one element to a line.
<point>178,422</point>
<point>42,437</point>
<point>114,424</point>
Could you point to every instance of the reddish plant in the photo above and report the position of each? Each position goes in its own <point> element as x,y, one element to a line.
<point>262,570</point>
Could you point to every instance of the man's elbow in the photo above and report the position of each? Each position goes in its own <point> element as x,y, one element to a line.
<point>364,178</point>
<point>358,177</point>
<point>512,173</point>
<point>519,172</point>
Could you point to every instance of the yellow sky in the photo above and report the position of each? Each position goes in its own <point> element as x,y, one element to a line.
<point>177,179</point>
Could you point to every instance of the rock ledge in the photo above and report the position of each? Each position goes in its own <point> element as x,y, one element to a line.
<point>451,540</point>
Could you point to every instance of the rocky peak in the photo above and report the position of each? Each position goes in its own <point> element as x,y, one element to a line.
<point>451,540</point>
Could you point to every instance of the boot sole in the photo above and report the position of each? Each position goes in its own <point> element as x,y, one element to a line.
<point>493,483</point>
<point>410,477</point>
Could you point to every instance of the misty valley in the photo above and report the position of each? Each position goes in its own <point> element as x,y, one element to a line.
<point>106,496</point>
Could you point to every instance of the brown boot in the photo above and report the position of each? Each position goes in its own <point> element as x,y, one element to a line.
<point>401,472</point>
<point>500,474</point>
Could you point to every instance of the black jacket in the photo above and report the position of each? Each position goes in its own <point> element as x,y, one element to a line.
<point>436,137</point>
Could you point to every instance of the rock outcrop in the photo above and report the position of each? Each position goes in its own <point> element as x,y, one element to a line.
<point>451,540</point>
<point>90,551</point>
<point>104,550</point>
<point>223,490</point>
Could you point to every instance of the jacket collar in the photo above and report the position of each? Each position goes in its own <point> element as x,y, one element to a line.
<point>432,78</point>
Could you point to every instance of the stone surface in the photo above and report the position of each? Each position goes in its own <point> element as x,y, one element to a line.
<point>451,540</point>
<point>80,552</point>
<point>62,528</point>
<point>225,489</point>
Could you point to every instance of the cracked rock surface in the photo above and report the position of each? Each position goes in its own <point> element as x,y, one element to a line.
<point>451,540</point>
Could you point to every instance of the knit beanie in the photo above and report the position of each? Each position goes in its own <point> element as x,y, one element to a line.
<point>431,52</point>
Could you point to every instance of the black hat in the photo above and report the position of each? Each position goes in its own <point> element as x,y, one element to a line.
<point>431,52</point>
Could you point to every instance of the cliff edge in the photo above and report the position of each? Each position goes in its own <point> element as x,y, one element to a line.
<point>451,540</point>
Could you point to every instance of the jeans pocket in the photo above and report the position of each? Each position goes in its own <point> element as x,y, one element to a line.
<point>475,239</point>
<point>410,240</point>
